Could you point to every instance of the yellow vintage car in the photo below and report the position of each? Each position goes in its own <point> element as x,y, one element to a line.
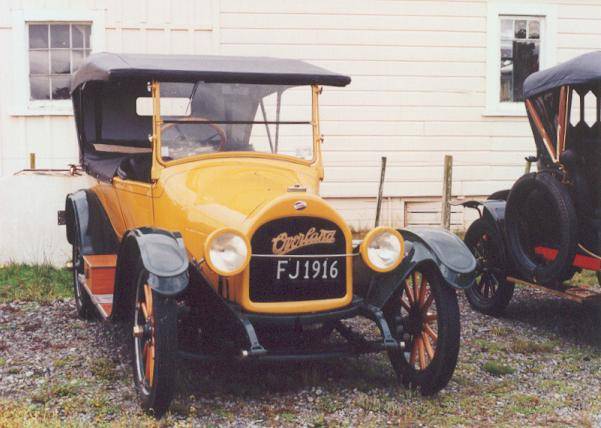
<point>205,231</point>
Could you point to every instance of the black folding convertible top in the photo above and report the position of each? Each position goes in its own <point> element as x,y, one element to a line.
<point>105,89</point>
<point>583,69</point>
<point>209,68</point>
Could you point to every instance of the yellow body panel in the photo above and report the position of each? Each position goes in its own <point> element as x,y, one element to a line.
<point>199,195</point>
<point>108,198</point>
<point>136,202</point>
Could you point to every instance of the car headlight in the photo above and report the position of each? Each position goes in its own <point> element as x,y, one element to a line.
<point>227,252</point>
<point>383,249</point>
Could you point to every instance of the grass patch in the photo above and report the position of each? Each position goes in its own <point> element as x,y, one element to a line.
<point>39,283</point>
<point>522,346</point>
<point>104,369</point>
<point>497,369</point>
<point>586,277</point>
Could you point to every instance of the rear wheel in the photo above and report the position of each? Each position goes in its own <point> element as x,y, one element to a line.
<point>425,314</point>
<point>155,346</point>
<point>491,293</point>
<point>85,307</point>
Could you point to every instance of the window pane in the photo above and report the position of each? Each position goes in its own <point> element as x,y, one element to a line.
<point>525,63</point>
<point>77,55</point>
<point>77,36</point>
<point>39,88</point>
<point>38,36</point>
<point>59,36</point>
<point>60,87</point>
<point>60,62</point>
<point>38,62</point>
<point>520,29</point>
<point>86,36</point>
<point>507,28</point>
<point>533,30</point>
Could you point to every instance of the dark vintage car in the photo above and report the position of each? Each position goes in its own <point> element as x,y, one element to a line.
<point>547,226</point>
<point>206,234</point>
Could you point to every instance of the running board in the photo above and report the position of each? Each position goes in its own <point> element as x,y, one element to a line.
<point>99,281</point>
<point>571,292</point>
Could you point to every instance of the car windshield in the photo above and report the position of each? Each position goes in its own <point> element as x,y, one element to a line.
<point>203,118</point>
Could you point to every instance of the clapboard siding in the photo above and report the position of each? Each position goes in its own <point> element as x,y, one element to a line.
<point>418,88</point>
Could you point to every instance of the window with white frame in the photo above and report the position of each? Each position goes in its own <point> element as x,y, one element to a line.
<point>56,50</point>
<point>48,46</point>
<point>520,41</point>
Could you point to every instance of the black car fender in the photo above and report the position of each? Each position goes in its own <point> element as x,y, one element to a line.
<point>163,255</point>
<point>442,249</point>
<point>87,224</point>
<point>493,211</point>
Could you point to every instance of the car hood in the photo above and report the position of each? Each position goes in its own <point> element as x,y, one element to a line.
<point>230,191</point>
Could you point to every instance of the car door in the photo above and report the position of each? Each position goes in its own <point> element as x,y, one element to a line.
<point>135,198</point>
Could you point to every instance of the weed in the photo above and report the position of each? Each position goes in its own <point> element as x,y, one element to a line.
<point>104,369</point>
<point>522,346</point>
<point>497,369</point>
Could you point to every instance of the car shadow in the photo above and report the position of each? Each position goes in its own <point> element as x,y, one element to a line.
<point>568,320</point>
<point>260,379</point>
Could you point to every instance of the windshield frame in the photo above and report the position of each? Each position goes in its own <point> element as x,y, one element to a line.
<point>157,123</point>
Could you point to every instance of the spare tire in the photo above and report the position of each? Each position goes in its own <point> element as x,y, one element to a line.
<point>541,212</point>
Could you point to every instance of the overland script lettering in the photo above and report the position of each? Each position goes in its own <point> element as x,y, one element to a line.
<point>283,244</point>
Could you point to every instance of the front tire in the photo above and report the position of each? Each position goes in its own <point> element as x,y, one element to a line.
<point>154,346</point>
<point>491,293</point>
<point>426,312</point>
<point>83,303</point>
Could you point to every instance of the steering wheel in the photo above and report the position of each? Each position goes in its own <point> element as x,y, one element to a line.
<point>181,137</point>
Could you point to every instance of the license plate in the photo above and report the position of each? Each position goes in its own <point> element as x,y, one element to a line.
<point>300,269</point>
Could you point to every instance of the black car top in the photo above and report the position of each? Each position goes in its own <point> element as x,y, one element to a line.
<point>208,68</point>
<point>584,69</point>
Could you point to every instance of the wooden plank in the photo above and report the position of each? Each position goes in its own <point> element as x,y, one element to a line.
<point>358,7</point>
<point>570,292</point>
<point>288,36</point>
<point>317,52</point>
<point>317,21</point>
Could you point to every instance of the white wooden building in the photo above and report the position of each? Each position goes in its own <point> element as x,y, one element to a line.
<point>428,78</point>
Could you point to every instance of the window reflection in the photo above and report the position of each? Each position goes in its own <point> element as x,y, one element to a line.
<point>520,55</point>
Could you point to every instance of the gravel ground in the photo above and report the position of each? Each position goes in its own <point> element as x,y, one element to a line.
<point>538,365</point>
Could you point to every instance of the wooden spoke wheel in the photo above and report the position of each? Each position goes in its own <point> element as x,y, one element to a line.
<point>491,293</point>
<point>85,307</point>
<point>424,314</point>
<point>154,333</point>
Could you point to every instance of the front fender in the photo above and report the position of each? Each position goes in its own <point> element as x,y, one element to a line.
<point>162,254</point>
<point>440,248</point>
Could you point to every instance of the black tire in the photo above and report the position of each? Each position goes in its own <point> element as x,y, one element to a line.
<point>157,329</point>
<point>491,293</point>
<point>413,326</point>
<point>540,211</point>
<point>85,307</point>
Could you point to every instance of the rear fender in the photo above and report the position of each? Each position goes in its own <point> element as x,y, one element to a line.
<point>491,210</point>
<point>88,226</point>
<point>161,253</point>
<point>439,248</point>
